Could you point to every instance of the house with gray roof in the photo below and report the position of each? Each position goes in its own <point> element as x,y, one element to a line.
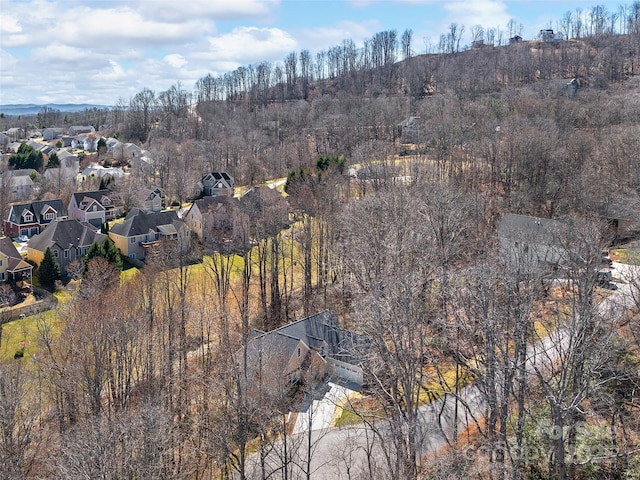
<point>95,207</point>
<point>51,133</point>
<point>318,341</point>
<point>142,231</point>
<point>16,133</point>
<point>80,129</point>
<point>154,201</point>
<point>533,242</point>
<point>267,209</point>
<point>68,159</point>
<point>31,218</point>
<point>216,184</point>
<point>59,176</point>
<point>218,222</point>
<point>19,183</point>
<point>68,239</point>
<point>13,268</point>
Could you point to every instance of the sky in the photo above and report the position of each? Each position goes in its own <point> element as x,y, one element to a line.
<point>105,51</point>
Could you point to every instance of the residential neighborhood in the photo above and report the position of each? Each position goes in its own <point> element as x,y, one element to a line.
<point>413,255</point>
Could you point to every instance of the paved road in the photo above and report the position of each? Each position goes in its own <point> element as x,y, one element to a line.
<point>338,453</point>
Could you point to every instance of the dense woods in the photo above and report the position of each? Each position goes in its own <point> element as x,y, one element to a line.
<point>399,166</point>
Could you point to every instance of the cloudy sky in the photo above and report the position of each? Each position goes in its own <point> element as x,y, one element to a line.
<point>100,51</point>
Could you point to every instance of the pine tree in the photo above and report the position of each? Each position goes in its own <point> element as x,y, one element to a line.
<point>107,250</point>
<point>49,269</point>
<point>54,161</point>
<point>111,252</point>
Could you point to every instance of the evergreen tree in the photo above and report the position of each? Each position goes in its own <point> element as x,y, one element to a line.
<point>107,250</point>
<point>54,161</point>
<point>111,253</point>
<point>49,269</point>
<point>26,157</point>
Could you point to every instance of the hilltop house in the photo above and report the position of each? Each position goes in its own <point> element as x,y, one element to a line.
<point>315,343</point>
<point>93,207</point>
<point>68,239</point>
<point>13,268</point>
<point>29,219</point>
<point>141,231</point>
<point>548,35</point>
<point>216,184</point>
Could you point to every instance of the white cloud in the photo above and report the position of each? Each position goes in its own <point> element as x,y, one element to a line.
<point>251,44</point>
<point>9,24</point>
<point>176,60</point>
<point>488,13</point>
<point>167,10</point>
<point>323,38</point>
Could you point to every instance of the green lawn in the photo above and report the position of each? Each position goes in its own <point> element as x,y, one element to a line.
<point>23,333</point>
<point>630,256</point>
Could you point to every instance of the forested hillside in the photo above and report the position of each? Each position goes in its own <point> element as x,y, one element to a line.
<point>400,169</point>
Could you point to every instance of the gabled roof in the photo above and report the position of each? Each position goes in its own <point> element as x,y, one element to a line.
<point>66,234</point>
<point>20,180</point>
<point>214,177</point>
<point>21,172</point>
<point>530,229</point>
<point>37,208</point>
<point>156,192</point>
<point>212,204</point>
<point>218,176</point>
<point>8,248</point>
<point>321,332</point>
<point>75,129</point>
<point>138,222</point>
<point>66,174</point>
<point>260,198</point>
<point>99,195</point>
<point>14,259</point>
<point>63,155</point>
<point>533,241</point>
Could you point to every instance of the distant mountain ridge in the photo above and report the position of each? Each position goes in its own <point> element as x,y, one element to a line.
<point>33,109</point>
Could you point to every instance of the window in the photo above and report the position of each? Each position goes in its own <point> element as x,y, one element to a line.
<point>49,216</point>
<point>55,253</point>
<point>66,254</point>
<point>28,217</point>
<point>132,240</point>
<point>0,262</point>
<point>299,352</point>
